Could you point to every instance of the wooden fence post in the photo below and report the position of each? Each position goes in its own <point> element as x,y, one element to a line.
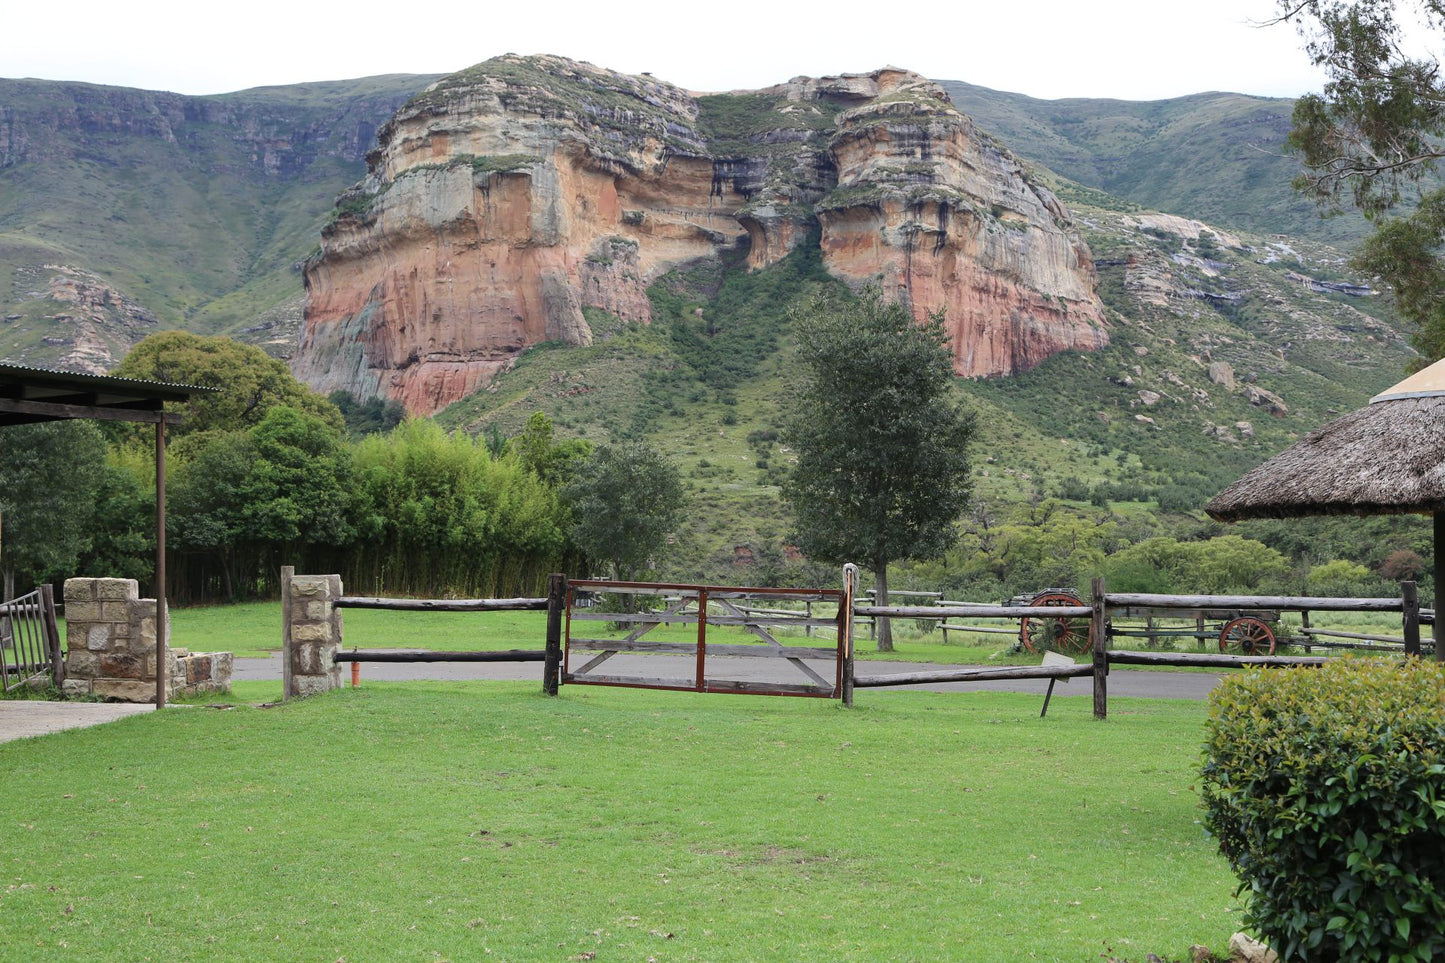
<point>1101,654</point>
<point>1410,602</point>
<point>845,629</point>
<point>287,573</point>
<point>556,601</point>
<point>51,624</point>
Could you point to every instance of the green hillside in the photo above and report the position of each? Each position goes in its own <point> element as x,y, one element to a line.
<point>169,211</point>
<point>1216,157</point>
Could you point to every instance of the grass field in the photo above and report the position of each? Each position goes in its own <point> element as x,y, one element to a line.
<point>462,821</point>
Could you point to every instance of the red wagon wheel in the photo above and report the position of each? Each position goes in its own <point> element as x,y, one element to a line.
<point>1066,634</point>
<point>1247,635</point>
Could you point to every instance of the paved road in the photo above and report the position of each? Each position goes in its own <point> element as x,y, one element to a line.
<point>20,719</point>
<point>1122,682</point>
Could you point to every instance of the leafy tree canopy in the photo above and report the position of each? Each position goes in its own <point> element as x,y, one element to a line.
<point>882,469</point>
<point>50,474</point>
<point>625,501</point>
<point>1373,137</point>
<point>250,381</point>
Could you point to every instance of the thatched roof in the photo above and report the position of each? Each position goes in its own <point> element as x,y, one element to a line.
<point>1387,458</point>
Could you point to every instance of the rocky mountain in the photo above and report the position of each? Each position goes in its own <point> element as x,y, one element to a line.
<point>508,203</point>
<point>125,211</point>
<point>1218,157</point>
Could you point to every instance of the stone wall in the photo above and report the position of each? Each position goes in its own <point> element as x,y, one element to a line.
<point>311,633</point>
<point>110,635</point>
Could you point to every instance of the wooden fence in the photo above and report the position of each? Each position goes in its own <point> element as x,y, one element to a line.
<point>1102,605</point>
<point>703,606</point>
<point>550,656</point>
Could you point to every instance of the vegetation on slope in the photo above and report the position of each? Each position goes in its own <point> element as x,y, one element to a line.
<point>1218,157</point>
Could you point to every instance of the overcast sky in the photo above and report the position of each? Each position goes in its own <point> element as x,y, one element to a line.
<point>1130,49</point>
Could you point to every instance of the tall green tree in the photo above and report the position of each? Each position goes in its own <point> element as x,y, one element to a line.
<point>50,474</point>
<point>1374,136</point>
<point>882,471</point>
<point>249,382</point>
<point>625,501</point>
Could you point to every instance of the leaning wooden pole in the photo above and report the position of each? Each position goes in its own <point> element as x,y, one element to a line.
<point>1101,651</point>
<point>556,602</point>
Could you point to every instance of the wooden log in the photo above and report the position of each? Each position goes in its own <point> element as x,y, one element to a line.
<point>441,605</point>
<point>1254,602</point>
<point>741,650</point>
<point>980,629</point>
<point>556,602</point>
<point>690,618</point>
<point>972,674</point>
<point>1199,615</point>
<point>1197,659</point>
<point>845,632</point>
<point>1354,635</point>
<point>976,611</point>
<point>1099,630</point>
<point>422,655</point>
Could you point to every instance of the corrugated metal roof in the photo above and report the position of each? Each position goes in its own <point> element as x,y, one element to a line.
<point>1425,383</point>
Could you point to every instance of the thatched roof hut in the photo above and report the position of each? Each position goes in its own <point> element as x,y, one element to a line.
<point>1387,458</point>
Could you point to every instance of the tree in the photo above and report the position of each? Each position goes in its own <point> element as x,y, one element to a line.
<point>625,500</point>
<point>882,470</point>
<point>1374,136</point>
<point>249,381</point>
<point>554,462</point>
<point>49,476</point>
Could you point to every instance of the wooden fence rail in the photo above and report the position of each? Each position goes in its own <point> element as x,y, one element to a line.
<point>550,656</point>
<point>1102,604</point>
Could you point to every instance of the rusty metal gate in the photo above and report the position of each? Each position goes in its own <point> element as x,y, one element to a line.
<point>608,624</point>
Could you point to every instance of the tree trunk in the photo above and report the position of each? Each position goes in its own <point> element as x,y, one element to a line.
<point>885,625</point>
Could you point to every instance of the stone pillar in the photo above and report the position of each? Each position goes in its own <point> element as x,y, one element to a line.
<point>110,638</point>
<point>311,634</point>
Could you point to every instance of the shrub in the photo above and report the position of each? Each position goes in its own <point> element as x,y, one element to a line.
<point>1326,791</point>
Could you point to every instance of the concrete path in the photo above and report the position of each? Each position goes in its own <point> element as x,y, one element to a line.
<point>20,718</point>
<point>1122,682</point>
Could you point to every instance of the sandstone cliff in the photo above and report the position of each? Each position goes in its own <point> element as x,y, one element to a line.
<point>506,199</point>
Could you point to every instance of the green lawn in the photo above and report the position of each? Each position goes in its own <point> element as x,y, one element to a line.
<point>462,821</point>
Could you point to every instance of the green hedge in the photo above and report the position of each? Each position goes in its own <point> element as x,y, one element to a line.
<point>1326,790</point>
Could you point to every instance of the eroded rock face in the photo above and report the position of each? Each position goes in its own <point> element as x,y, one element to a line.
<point>508,199</point>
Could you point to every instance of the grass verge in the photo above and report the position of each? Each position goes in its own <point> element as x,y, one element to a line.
<point>452,821</point>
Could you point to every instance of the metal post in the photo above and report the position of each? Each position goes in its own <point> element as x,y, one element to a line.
<point>162,622</point>
<point>556,601</point>
<point>1101,654</point>
<point>1410,606</point>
